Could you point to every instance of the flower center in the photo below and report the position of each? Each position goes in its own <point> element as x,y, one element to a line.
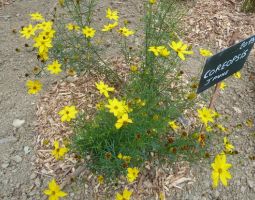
<point>220,170</point>
<point>67,112</point>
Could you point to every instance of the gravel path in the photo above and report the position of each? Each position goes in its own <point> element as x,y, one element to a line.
<point>17,179</point>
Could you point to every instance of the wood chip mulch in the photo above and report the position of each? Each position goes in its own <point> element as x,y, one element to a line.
<point>218,23</point>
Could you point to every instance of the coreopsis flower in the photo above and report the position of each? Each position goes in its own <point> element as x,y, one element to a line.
<point>125,32</point>
<point>140,102</point>
<point>100,179</point>
<point>124,196</point>
<point>208,129</point>
<point>37,16</point>
<point>104,88</point>
<point>49,34</point>
<point>127,159</point>
<point>112,14</point>
<point>228,146</point>
<point>54,191</point>
<point>27,31</point>
<point>206,115</point>
<point>205,52</point>
<point>43,55</point>
<point>132,174</point>
<point>237,75</point>
<point>220,170</point>
<point>123,120</point>
<point>72,27</point>
<point>47,25</point>
<point>173,125</point>
<point>221,128</point>
<point>33,86</point>
<point>116,107</point>
<point>58,152</point>
<point>159,50</point>
<point>109,27</point>
<point>133,68</point>
<point>88,32</point>
<point>152,1</point>
<point>68,113</point>
<point>54,68</point>
<point>43,44</point>
<point>120,156</point>
<point>223,85</point>
<point>180,48</point>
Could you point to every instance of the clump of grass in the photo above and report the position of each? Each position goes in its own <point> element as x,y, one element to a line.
<point>248,6</point>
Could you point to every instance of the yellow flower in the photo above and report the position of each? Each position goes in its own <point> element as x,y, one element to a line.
<point>47,34</point>
<point>205,52</point>
<point>220,170</point>
<point>163,51</point>
<point>109,27</point>
<point>125,32</point>
<point>228,146</point>
<point>173,125</point>
<point>45,25</point>
<point>72,27</point>
<point>237,75</point>
<point>206,115</point>
<point>88,32</point>
<point>140,102</point>
<point>68,113</point>
<point>58,152</point>
<point>118,108</point>
<point>43,55</point>
<point>208,129</point>
<point>43,44</point>
<point>100,179</point>
<point>152,1</point>
<point>120,156</point>
<point>132,174</point>
<point>112,14</point>
<point>122,120</point>
<point>223,85</point>
<point>28,31</point>
<point>36,16</point>
<point>54,67</point>
<point>54,191</point>
<point>133,68</point>
<point>104,88</point>
<point>127,159</point>
<point>33,86</point>
<point>159,50</point>
<point>124,196</point>
<point>180,49</point>
<point>221,128</point>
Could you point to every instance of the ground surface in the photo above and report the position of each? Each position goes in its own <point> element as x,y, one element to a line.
<point>20,180</point>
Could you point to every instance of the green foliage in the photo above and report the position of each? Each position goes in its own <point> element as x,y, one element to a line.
<point>71,47</point>
<point>149,137</point>
<point>248,6</point>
